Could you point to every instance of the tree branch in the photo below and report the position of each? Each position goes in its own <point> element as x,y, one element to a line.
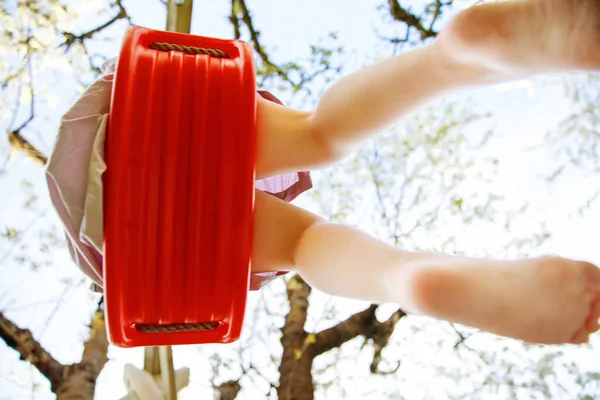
<point>235,20</point>
<point>71,38</point>
<point>20,70</point>
<point>228,390</point>
<point>76,381</point>
<point>363,323</point>
<point>400,14</point>
<point>437,11</point>
<point>381,336</point>
<point>19,143</point>
<point>254,35</point>
<point>15,139</point>
<point>357,325</point>
<point>30,350</point>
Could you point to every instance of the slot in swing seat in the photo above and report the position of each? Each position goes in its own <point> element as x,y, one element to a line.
<point>179,189</point>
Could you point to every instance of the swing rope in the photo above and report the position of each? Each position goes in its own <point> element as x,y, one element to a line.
<point>160,46</point>
<point>199,327</point>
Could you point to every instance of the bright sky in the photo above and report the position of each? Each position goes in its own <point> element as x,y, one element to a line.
<point>522,117</point>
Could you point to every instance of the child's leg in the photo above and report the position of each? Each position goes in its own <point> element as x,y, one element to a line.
<point>351,110</point>
<point>546,300</point>
<point>485,44</point>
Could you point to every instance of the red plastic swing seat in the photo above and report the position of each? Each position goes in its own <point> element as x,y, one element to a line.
<point>179,189</point>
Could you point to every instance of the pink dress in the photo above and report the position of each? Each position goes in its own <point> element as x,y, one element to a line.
<point>74,179</point>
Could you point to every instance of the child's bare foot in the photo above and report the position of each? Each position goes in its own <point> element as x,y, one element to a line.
<point>523,37</point>
<point>547,300</point>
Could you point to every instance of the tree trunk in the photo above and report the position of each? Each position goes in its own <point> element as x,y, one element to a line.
<point>301,348</point>
<point>295,370</point>
<point>80,380</point>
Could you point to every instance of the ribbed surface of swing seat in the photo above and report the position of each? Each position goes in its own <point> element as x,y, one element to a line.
<point>179,189</point>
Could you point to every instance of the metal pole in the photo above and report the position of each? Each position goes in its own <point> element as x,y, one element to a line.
<point>179,15</point>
